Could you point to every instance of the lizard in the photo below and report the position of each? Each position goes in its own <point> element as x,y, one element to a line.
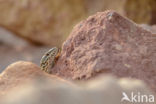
<point>49,59</point>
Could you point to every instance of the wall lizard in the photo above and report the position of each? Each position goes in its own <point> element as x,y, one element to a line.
<point>49,59</point>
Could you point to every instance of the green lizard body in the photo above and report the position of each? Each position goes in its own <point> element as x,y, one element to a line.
<point>49,59</point>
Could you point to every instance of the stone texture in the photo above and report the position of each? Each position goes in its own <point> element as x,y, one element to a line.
<point>20,73</point>
<point>41,21</point>
<point>108,43</point>
<point>105,90</point>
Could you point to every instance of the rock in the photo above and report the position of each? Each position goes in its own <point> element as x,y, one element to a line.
<point>151,28</point>
<point>20,73</point>
<point>41,21</point>
<point>108,43</point>
<point>47,22</point>
<point>105,90</point>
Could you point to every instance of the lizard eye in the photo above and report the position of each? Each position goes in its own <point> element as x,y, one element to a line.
<point>47,54</point>
<point>54,53</point>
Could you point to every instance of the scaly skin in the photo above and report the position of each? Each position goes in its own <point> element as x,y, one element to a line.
<point>49,59</point>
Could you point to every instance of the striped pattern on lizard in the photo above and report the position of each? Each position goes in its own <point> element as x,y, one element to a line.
<point>49,59</point>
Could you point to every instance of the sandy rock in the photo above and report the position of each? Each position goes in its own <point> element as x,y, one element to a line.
<point>19,73</point>
<point>105,90</point>
<point>108,43</point>
<point>40,21</point>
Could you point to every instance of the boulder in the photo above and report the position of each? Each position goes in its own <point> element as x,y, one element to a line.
<point>48,22</point>
<point>21,73</point>
<point>41,21</point>
<point>103,90</point>
<point>108,43</point>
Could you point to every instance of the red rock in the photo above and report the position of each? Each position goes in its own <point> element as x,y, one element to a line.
<point>108,43</point>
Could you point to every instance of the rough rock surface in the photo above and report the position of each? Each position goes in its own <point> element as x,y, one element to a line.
<point>108,43</point>
<point>20,73</point>
<point>41,21</point>
<point>105,90</point>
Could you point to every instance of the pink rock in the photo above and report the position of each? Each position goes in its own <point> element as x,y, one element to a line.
<point>108,43</point>
<point>20,73</point>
